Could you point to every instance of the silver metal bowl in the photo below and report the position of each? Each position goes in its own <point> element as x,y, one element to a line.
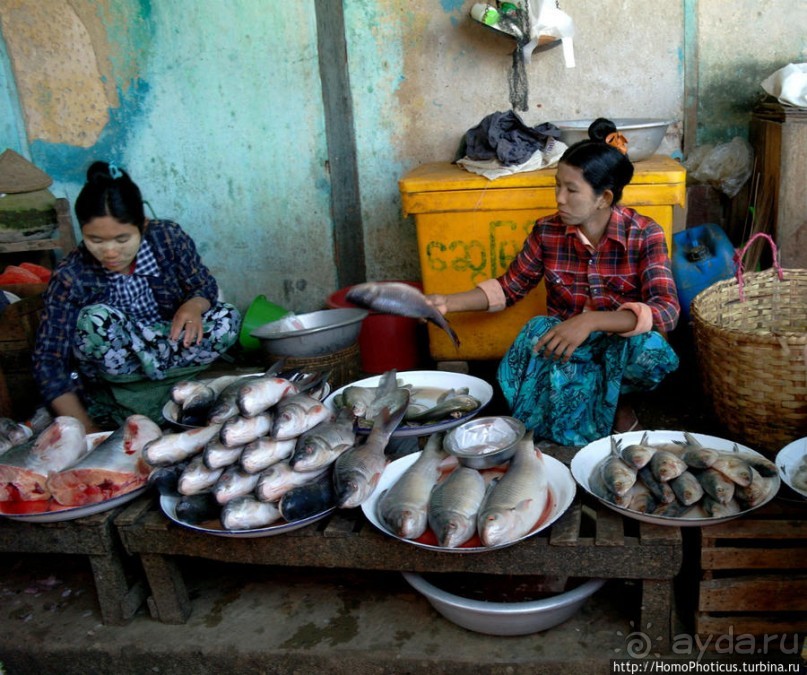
<point>312,334</point>
<point>484,442</point>
<point>505,618</point>
<point>644,134</point>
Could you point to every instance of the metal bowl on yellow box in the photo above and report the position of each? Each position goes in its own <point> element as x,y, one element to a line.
<point>312,334</point>
<point>484,442</point>
<point>644,134</point>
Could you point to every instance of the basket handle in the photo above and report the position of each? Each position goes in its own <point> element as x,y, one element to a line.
<point>738,260</point>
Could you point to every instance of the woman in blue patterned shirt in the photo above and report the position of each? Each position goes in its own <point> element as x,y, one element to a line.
<point>134,298</point>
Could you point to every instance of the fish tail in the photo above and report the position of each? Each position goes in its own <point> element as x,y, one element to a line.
<point>442,322</point>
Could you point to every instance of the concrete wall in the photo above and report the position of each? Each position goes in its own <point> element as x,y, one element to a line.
<point>215,107</point>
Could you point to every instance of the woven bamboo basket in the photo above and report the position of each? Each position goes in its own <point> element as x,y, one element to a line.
<point>344,365</point>
<point>751,343</point>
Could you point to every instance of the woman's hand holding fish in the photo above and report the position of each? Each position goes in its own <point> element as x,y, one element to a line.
<point>467,301</point>
<point>188,318</point>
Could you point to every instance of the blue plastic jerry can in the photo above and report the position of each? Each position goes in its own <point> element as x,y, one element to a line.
<point>702,255</point>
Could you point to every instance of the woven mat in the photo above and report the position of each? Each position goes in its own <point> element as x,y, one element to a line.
<point>17,174</point>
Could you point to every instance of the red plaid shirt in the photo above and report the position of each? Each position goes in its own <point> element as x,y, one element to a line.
<point>630,264</point>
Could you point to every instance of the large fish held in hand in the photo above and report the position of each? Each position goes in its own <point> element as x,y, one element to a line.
<point>394,297</point>
<point>516,501</point>
<point>113,468</point>
<point>24,469</point>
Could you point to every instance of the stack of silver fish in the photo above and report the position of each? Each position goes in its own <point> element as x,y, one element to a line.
<point>683,479</point>
<point>269,450</point>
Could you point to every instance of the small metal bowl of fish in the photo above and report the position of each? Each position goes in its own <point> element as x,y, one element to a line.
<point>484,442</point>
<point>313,334</point>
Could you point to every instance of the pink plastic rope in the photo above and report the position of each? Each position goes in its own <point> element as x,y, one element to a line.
<point>738,260</point>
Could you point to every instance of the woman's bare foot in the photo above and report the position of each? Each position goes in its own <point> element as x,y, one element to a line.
<point>625,419</point>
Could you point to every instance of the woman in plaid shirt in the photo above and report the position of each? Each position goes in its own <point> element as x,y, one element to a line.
<point>611,298</point>
<point>134,298</point>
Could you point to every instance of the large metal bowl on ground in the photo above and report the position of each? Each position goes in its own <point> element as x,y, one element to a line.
<point>644,134</point>
<point>484,442</point>
<point>505,618</point>
<point>312,334</point>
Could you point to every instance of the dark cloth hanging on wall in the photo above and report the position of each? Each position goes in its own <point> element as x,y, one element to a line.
<point>505,137</point>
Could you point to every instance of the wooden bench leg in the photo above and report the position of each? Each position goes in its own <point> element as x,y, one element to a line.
<point>169,601</point>
<point>118,601</point>
<point>656,613</point>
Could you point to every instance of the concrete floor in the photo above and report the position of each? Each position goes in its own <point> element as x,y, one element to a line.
<point>254,619</point>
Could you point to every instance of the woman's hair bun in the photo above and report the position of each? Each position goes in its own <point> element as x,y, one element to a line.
<point>98,171</point>
<point>600,129</point>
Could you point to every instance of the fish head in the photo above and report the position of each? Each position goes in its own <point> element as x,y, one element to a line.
<point>495,527</point>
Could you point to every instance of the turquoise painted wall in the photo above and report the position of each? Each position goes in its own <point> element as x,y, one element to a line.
<point>215,107</point>
<point>219,119</point>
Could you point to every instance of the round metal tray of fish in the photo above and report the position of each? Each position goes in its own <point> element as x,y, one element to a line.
<point>792,464</point>
<point>438,400</point>
<point>675,478</point>
<point>58,513</point>
<point>561,489</point>
<point>168,503</point>
<point>171,410</point>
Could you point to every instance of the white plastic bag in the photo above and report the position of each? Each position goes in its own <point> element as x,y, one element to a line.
<point>726,166</point>
<point>788,84</point>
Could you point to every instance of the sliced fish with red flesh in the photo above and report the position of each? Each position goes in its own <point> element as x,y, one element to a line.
<point>24,470</point>
<point>113,468</point>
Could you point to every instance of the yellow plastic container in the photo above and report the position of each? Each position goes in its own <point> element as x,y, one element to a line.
<point>469,229</point>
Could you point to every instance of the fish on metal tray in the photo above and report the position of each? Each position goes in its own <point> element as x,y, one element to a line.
<point>717,509</point>
<point>11,434</point>
<point>24,469</point>
<point>357,471</point>
<point>198,508</point>
<point>390,297</point>
<point>638,454</point>
<point>454,506</point>
<point>234,482</point>
<point>247,513</point>
<point>616,473</point>
<point>112,468</point>
<point>198,477</point>
<point>733,466</point>
<point>309,499</point>
<point>262,453</point>
<point>665,466</point>
<point>454,406</point>
<point>404,507</point>
<point>258,394</point>
<point>240,430</point>
<point>687,488</point>
<point>388,394</point>
<point>279,478</point>
<point>216,455</point>
<point>173,448</point>
<point>641,499</point>
<point>758,491</point>
<point>320,446</point>
<point>515,502</point>
<point>294,415</point>
<point>165,479</point>
<point>662,492</point>
<point>716,485</point>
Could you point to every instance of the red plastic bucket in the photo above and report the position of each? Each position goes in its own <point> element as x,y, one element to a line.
<point>386,341</point>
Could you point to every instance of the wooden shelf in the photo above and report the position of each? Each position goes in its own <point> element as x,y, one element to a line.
<point>64,240</point>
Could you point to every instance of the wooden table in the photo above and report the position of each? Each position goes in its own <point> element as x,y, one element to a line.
<point>118,581</point>
<point>589,540</point>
